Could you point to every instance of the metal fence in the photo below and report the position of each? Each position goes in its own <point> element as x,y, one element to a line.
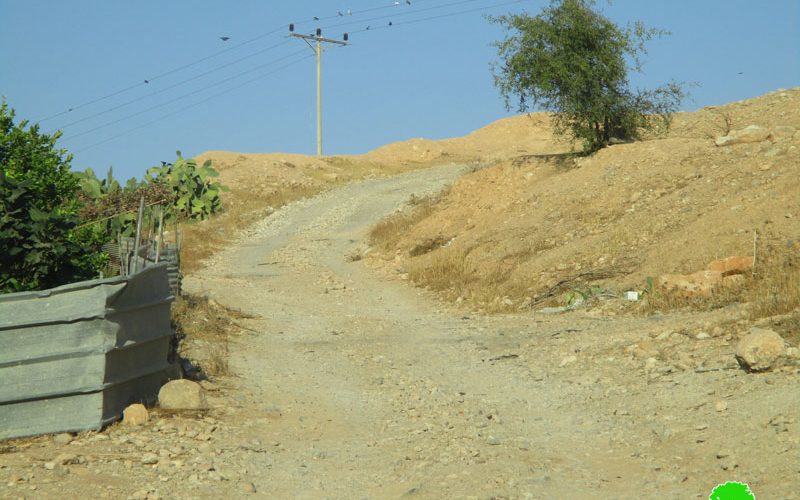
<point>73,357</point>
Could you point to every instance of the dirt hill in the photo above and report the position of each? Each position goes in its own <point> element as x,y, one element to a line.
<point>263,182</point>
<point>502,237</point>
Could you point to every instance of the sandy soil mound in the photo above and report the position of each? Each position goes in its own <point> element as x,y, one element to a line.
<point>504,235</point>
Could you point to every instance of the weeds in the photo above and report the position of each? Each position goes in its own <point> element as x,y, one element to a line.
<point>388,231</point>
<point>199,321</point>
<point>771,289</point>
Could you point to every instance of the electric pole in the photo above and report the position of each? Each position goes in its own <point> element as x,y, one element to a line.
<point>317,48</point>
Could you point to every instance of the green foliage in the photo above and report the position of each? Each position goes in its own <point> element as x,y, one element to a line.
<point>195,194</point>
<point>26,154</point>
<point>573,61</point>
<point>37,244</point>
<point>38,212</point>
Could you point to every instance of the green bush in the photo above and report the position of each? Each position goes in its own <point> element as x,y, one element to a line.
<point>194,194</point>
<point>573,61</point>
<point>39,245</point>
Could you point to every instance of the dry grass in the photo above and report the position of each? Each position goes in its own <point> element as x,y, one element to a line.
<point>204,328</point>
<point>387,232</point>
<point>771,290</point>
<point>774,288</point>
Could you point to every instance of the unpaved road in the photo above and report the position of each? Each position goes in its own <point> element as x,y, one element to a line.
<point>351,385</point>
<point>361,387</point>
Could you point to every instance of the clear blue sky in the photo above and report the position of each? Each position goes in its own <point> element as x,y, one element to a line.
<point>426,79</point>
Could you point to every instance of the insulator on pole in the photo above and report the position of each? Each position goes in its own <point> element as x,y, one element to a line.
<point>291,28</point>
<point>319,32</point>
<point>346,37</point>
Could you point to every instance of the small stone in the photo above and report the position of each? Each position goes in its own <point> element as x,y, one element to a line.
<point>63,438</point>
<point>761,350</point>
<point>69,459</point>
<point>182,395</point>
<point>49,465</point>
<point>248,488</point>
<point>721,406</point>
<point>149,459</point>
<point>135,414</point>
<point>568,361</point>
<point>702,336</point>
<point>493,441</point>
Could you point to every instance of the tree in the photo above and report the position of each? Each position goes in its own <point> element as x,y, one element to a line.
<point>39,246</point>
<point>573,61</point>
<point>26,154</point>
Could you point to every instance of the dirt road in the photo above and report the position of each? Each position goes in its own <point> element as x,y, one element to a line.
<point>362,387</point>
<point>350,385</point>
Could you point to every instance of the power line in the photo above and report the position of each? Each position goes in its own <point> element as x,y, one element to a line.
<point>181,97</point>
<point>440,16</point>
<point>390,16</point>
<point>165,89</point>
<point>413,21</point>
<point>202,101</point>
<point>273,31</point>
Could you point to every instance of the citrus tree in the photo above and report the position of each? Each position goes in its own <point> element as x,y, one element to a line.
<point>39,247</point>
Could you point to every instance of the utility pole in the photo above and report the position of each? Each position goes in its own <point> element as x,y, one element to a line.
<point>317,48</point>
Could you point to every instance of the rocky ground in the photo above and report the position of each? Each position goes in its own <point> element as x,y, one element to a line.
<point>348,384</point>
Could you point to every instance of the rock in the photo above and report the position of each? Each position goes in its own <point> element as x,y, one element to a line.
<point>732,265</point>
<point>135,414</point>
<point>782,132</point>
<point>568,361</point>
<point>69,459</point>
<point>699,284</point>
<point>493,441</point>
<point>760,350</point>
<point>753,133</point>
<point>63,438</point>
<point>702,336</point>
<point>732,281</point>
<point>721,406</point>
<point>182,395</point>
<point>49,465</point>
<point>248,487</point>
<point>149,459</point>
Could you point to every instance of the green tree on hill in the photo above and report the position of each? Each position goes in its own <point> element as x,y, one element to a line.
<point>573,61</point>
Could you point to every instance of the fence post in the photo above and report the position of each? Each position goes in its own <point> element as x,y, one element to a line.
<point>138,235</point>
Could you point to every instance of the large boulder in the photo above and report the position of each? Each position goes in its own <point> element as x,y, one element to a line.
<point>182,395</point>
<point>699,284</point>
<point>753,133</point>
<point>732,265</point>
<point>760,350</point>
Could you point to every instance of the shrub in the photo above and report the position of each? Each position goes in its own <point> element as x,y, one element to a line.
<point>574,61</point>
<point>38,212</point>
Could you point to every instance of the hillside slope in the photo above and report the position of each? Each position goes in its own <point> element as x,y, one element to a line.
<point>502,236</point>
